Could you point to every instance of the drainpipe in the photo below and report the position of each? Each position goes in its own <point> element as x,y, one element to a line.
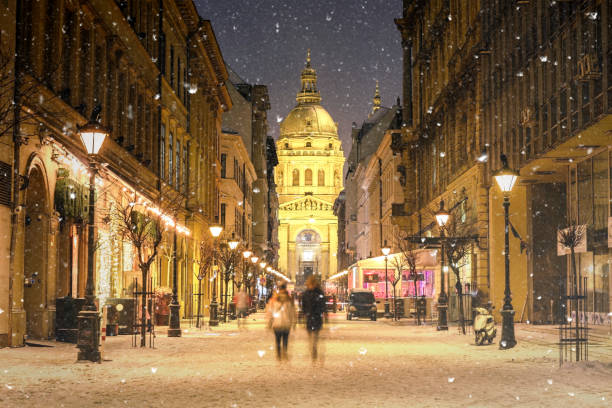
<point>17,142</point>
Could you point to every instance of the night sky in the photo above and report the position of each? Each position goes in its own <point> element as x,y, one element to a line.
<point>353,43</point>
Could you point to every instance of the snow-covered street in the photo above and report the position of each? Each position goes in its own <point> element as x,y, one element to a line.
<point>378,364</point>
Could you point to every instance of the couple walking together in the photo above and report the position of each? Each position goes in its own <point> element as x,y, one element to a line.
<point>281,318</point>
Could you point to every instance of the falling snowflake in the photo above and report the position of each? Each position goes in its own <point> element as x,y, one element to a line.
<point>549,381</point>
<point>451,379</point>
<point>261,353</point>
<point>153,370</point>
<point>363,351</point>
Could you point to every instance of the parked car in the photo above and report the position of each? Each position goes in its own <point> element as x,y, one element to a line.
<point>361,304</point>
<point>330,304</point>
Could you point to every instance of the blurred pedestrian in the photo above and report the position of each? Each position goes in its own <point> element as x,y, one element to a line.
<point>313,305</point>
<point>242,304</point>
<point>280,316</point>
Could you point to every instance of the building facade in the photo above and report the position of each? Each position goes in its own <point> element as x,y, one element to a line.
<point>248,118</point>
<point>156,75</point>
<point>373,184</point>
<point>308,180</point>
<point>530,80</point>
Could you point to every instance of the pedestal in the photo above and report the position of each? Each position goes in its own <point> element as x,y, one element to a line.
<point>214,321</point>
<point>442,308</point>
<point>88,337</point>
<point>507,339</point>
<point>174,329</point>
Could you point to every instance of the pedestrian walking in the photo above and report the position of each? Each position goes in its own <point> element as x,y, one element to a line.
<point>242,305</point>
<point>280,316</point>
<point>313,306</point>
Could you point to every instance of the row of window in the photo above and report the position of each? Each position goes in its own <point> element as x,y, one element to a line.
<point>307,177</point>
<point>177,160</point>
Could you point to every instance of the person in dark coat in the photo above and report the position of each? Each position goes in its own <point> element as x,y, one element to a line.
<point>313,305</point>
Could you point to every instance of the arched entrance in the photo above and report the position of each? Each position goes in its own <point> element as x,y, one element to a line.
<point>35,256</point>
<point>308,254</point>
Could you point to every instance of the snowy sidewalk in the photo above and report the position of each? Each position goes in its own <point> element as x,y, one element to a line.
<point>366,364</point>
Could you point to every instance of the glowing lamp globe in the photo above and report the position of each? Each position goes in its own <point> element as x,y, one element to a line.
<point>262,265</point>
<point>215,230</point>
<point>93,136</point>
<point>506,177</point>
<point>254,259</point>
<point>386,250</point>
<point>442,215</point>
<point>246,254</point>
<point>233,243</point>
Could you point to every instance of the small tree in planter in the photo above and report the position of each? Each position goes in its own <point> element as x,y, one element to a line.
<point>144,225</point>
<point>409,257</point>
<point>398,264</point>
<point>570,238</point>
<point>205,263</point>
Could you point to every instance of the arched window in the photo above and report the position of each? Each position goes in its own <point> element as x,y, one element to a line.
<point>308,144</point>
<point>321,177</point>
<point>308,177</point>
<point>296,177</point>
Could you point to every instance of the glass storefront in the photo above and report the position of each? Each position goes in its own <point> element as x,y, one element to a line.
<point>589,204</point>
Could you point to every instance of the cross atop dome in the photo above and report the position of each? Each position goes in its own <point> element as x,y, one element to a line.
<point>309,92</point>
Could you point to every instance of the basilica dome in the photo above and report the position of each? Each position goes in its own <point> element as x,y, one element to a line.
<point>308,118</point>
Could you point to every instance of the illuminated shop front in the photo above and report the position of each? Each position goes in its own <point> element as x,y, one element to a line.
<point>370,274</point>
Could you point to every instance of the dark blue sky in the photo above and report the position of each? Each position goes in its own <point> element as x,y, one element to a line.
<point>353,43</point>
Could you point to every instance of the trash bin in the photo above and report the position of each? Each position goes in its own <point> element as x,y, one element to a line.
<point>66,322</point>
<point>399,307</point>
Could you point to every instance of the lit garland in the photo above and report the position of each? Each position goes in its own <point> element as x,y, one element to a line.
<point>339,274</point>
<point>104,266</point>
<point>66,158</point>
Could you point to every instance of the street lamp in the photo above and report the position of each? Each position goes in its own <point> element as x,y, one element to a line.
<point>254,260</point>
<point>442,217</point>
<point>386,251</point>
<point>245,267</point>
<point>93,136</point>
<point>174,326</point>
<point>215,231</point>
<point>506,178</point>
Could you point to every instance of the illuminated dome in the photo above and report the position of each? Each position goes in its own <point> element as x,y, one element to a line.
<point>308,118</point>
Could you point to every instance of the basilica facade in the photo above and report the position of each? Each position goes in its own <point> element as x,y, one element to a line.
<point>309,179</point>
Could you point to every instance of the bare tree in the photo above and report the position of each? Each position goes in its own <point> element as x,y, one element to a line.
<point>229,259</point>
<point>205,263</point>
<point>410,256</point>
<point>457,250</point>
<point>398,263</point>
<point>145,226</point>
<point>570,238</point>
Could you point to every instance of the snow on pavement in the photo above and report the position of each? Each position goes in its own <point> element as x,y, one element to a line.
<point>365,364</point>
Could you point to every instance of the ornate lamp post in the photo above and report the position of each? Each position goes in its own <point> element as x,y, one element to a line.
<point>442,217</point>
<point>254,259</point>
<point>174,327</point>
<point>215,231</point>
<point>232,244</point>
<point>246,254</point>
<point>386,250</point>
<point>92,136</point>
<point>506,178</point>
